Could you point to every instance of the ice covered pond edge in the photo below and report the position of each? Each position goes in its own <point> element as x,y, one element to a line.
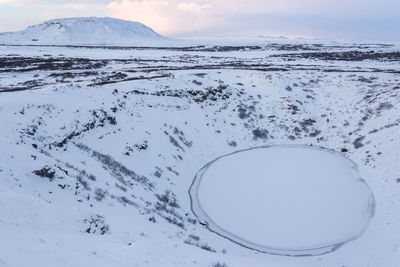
<point>205,220</point>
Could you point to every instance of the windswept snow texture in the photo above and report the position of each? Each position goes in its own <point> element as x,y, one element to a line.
<point>83,31</point>
<point>99,145</point>
<point>286,200</point>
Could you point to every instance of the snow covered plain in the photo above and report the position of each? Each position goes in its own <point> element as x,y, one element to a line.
<point>99,146</point>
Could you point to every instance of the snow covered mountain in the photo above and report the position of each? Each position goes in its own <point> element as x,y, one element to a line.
<point>90,30</point>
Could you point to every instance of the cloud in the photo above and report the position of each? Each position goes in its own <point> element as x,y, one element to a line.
<point>167,17</point>
<point>224,17</point>
<point>193,7</point>
<point>18,14</point>
<point>180,16</point>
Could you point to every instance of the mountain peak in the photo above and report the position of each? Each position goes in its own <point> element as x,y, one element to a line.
<point>83,30</point>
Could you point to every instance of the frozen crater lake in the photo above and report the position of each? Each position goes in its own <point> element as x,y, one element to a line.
<point>287,200</point>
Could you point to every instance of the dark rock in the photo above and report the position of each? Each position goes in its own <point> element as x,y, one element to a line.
<point>46,172</point>
<point>358,142</point>
<point>260,134</point>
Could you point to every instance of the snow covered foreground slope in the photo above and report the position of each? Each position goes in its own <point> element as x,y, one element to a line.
<point>83,31</point>
<point>99,147</point>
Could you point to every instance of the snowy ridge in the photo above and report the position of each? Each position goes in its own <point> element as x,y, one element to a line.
<point>91,30</point>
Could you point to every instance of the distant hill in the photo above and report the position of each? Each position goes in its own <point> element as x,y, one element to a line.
<point>81,31</point>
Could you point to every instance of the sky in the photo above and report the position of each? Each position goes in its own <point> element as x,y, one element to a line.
<point>329,19</point>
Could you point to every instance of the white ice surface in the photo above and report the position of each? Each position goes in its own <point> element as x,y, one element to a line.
<point>285,197</point>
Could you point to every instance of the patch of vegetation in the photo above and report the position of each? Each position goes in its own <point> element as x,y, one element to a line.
<point>99,194</point>
<point>232,144</point>
<point>194,240</point>
<point>116,169</point>
<point>100,118</point>
<point>260,134</point>
<point>45,172</point>
<point>96,225</point>
<point>168,198</point>
<point>358,142</point>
